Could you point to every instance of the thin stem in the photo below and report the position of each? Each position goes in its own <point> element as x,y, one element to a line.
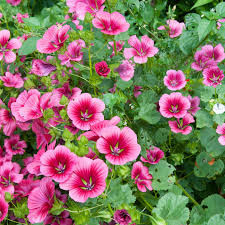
<point>110,209</point>
<point>185,176</point>
<point>15,221</point>
<point>83,210</point>
<point>2,67</point>
<point>147,204</point>
<point>186,193</point>
<point>90,65</point>
<point>215,93</point>
<point>115,49</point>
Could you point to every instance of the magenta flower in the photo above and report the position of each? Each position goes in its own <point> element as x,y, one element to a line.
<point>141,176</point>
<point>81,7</point>
<point>85,111</point>
<point>137,91</point>
<point>4,206</point>
<point>140,50</point>
<point>87,180</point>
<point>96,129</point>
<point>41,200</point>
<point>195,101</point>
<point>12,80</point>
<point>217,54</point>
<point>182,125</point>
<point>221,130</point>
<point>73,54</point>
<point>110,23</point>
<point>102,69</point>
<point>119,46</point>
<point>7,46</point>
<point>174,80</point>
<point>61,219</point>
<point>174,105</point>
<point>119,146</point>
<point>20,17</point>
<point>122,217</point>
<point>41,68</point>
<point>219,23</point>
<point>126,70</point>
<point>154,155</point>
<point>53,39</point>
<point>14,146</point>
<point>175,28</point>
<point>58,163</point>
<point>14,2</point>
<point>202,62</point>
<point>212,76</point>
<point>9,174</point>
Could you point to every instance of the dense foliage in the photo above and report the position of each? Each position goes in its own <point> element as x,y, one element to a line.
<point>112,112</point>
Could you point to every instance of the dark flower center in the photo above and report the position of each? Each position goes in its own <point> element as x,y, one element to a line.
<point>174,109</point>
<point>60,168</point>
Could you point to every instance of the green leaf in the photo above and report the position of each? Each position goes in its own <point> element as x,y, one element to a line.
<point>209,139</point>
<point>172,208</point>
<point>162,175</point>
<point>29,46</point>
<point>67,135</point>
<point>122,36</point>
<point>192,20</point>
<point>48,113</point>
<point>204,169</point>
<point>161,135</point>
<point>123,84</point>
<point>148,13</point>
<point>207,93</point>
<point>217,219</point>
<point>204,28</point>
<point>203,119</point>
<point>64,100</point>
<point>21,209</point>
<point>200,3</point>
<point>149,114</point>
<point>188,41</point>
<point>32,21</point>
<point>220,9</point>
<point>119,194</point>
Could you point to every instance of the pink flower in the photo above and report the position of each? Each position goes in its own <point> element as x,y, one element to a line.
<point>217,53</point>
<point>137,91</point>
<point>174,105</point>
<point>126,70</point>
<point>141,176</point>
<point>96,129</point>
<point>141,49</point>
<point>154,155</point>
<point>34,166</point>
<point>81,7</point>
<point>9,174</point>
<point>212,76</point>
<point>110,23</point>
<point>41,200</point>
<point>4,206</point>
<point>12,80</point>
<point>61,219</point>
<point>195,101</point>
<point>73,54</point>
<point>7,46</point>
<point>119,146</point>
<point>41,68</point>
<point>87,180</point>
<point>182,125</point>
<point>20,17</point>
<point>85,111</point>
<point>202,62</point>
<point>53,39</point>
<point>122,217</point>
<point>30,105</point>
<point>58,163</point>
<point>67,92</point>
<point>175,28</point>
<point>174,80</point>
<point>14,146</point>
<point>102,68</point>
<point>219,23</point>
<point>25,187</point>
<point>14,2</point>
<point>221,130</point>
<point>119,46</point>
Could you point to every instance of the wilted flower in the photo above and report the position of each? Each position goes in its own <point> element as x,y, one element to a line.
<point>102,68</point>
<point>41,68</point>
<point>126,70</point>
<point>122,217</point>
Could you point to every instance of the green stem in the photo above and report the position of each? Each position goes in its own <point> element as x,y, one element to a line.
<point>15,221</point>
<point>110,209</point>
<point>90,65</point>
<point>83,210</point>
<point>215,93</point>
<point>146,204</point>
<point>115,49</point>
<point>170,139</point>
<point>186,193</point>
<point>2,67</point>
